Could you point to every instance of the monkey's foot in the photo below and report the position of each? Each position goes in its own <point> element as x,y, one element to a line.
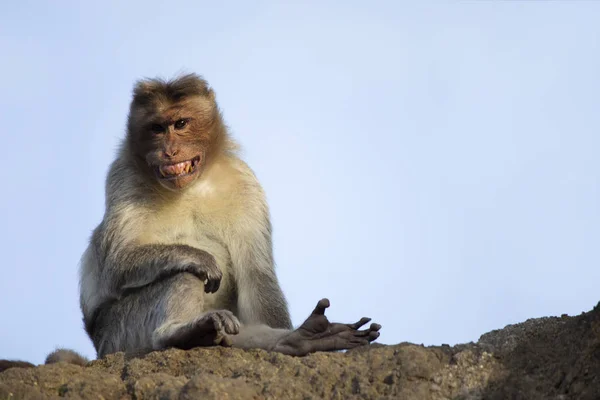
<point>210,329</point>
<point>318,334</point>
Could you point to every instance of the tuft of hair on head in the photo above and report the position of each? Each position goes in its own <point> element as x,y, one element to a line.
<point>148,90</point>
<point>66,355</point>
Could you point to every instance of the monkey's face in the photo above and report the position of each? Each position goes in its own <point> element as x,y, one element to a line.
<point>173,141</point>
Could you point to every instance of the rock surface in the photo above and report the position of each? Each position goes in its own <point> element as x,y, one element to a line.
<point>545,358</point>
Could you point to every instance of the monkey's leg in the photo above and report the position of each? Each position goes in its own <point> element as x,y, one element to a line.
<point>315,334</point>
<point>168,313</point>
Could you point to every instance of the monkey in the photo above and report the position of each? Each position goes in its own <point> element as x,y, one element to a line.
<point>58,355</point>
<point>183,256</point>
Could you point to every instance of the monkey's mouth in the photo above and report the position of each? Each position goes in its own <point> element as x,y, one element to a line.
<point>178,170</point>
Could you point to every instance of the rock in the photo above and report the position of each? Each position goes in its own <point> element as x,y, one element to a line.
<point>544,358</point>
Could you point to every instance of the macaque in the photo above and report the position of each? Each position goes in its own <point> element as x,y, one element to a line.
<point>183,256</point>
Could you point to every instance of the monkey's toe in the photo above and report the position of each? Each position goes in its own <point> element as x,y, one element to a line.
<point>228,322</point>
<point>373,332</point>
<point>358,324</point>
<point>321,306</point>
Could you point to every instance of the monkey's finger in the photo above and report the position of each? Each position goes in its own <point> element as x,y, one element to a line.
<point>321,306</point>
<point>375,327</point>
<point>367,332</point>
<point>373,335</point>
<point>358,324</point>
<point>365,339</point>
<point>211,285</point>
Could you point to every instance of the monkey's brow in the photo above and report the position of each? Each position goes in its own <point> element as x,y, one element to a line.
<point>167,121</point>
<point>171,121</point>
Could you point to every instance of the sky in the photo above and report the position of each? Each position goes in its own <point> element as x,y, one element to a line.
<point>432,165</point>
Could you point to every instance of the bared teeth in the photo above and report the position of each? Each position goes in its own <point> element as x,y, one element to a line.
<point>176,169</point>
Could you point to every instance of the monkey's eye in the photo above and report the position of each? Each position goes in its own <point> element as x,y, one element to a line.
<point>157,128</point>
<point>180,124</point>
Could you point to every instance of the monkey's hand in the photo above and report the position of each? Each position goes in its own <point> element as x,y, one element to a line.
<point>318,334</point>
<point>204,266</point>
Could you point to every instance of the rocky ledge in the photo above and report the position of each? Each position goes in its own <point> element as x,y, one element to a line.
<point>544,358</point>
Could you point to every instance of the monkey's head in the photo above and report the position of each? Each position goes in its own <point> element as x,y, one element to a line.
<point>174,128</point>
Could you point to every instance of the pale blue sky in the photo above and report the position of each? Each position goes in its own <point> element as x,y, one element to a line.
<point>432,165</point>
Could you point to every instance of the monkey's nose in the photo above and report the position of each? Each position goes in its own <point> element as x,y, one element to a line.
<point>170,153</point>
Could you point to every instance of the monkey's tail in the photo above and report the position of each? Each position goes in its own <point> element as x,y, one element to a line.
<point>58,355</point>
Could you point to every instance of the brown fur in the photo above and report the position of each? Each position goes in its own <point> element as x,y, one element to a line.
<point>156,101</point>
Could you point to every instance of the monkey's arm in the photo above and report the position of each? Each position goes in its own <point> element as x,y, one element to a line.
<point>112,264</point>
<point>134,266</point>
<point>113,271</point>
